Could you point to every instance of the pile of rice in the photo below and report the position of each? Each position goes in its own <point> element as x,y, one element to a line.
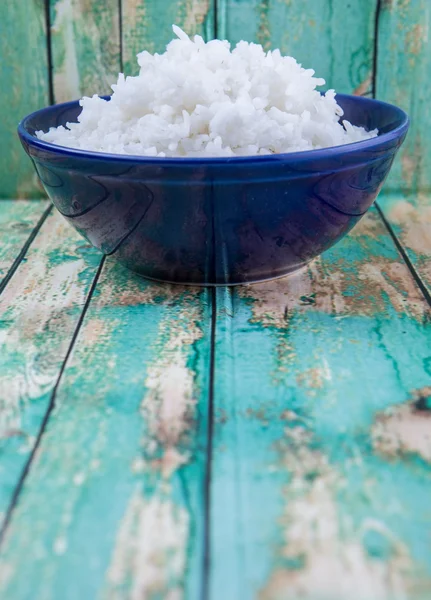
<point>202,99</point>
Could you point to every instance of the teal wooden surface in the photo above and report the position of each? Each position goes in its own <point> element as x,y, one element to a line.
<point>24,88</point>
<point>39,310</point>
<point>403,77</point>
<point>333,37</point>
<point>410,220</point>
<point>322,453</point>
<point>85,45</point>
<point>123,459</point>
<point>17,221</point>
<point>320,468</point>
<point>148,25</point>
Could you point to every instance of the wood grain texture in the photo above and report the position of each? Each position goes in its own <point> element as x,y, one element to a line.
<point>39,310</point>
<point>410,219</point>
<point>85,42</point>
<point>322,453</point>
<point>124,456</point>
<point>24,88</point>
<point>403,78</point>
<point>17,222</point>
<point>333,37</point>
<point>148,25</point>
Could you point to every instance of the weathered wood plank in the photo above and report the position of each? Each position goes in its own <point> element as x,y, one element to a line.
<point>322,453</point>
<point>17,223</point>
<point>403,67</point>
<point>85,42</point>
<point>39,310</point>
<point>334,37</point>
<point>148,25</point>
<point>403,77</point>
<point>24,88</point>
<point>410,220</point>
<point>124,455</point>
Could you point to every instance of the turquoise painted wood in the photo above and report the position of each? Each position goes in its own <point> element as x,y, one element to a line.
<point>148,25</point>
<point>403,77</point>
<point>333,37</point>
<point>321,470</point>
<point>123,459</point>
<point>307,448</point>
<point>17,221</point>
<point>24,88</point>
<point>403,67</point>
<point>39,310</point>
<point>85,43</point>
<point>410,219</point>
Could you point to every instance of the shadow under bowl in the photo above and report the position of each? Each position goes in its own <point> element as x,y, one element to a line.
<point>210,221</point>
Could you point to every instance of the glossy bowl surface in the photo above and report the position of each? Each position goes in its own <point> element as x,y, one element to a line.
<point>217,220</point>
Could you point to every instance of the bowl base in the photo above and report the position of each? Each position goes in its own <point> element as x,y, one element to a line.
<point>290,272</point>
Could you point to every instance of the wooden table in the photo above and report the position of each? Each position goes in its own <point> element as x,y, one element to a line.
<point>161,442</point>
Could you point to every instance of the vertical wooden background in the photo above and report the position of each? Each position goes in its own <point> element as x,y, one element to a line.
<point>56,50</point>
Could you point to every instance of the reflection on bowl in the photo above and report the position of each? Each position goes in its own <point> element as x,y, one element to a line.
<point>217,220</point>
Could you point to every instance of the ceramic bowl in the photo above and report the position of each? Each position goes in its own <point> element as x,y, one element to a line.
<point>214,221</point>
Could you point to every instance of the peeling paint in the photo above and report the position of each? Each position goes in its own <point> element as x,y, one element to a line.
<point>264,31</point>
<point>150,552</point>
<point>273,300</point>
<point>415,38</point>
<point>395,281</point>
<point>409,166</point>
<point>24,89</point>
<point>329,560</point>
<point>404,430</point>
<point>66,78</point>
<point>169,403</point>
<point>364,87</point>
<point>126,433</point>
<point>415,222</point>
<point>41,305</point>
<point>316,356</point>
<point>412,224</point>
<point>196,12</point>
<point>323,286</point>
<point>152,538</point>
<point>403,64</point>
<point>315,377</point>
<point>17,220</point>
<point>85,48</point>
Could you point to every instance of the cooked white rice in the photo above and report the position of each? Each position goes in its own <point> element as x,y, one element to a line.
<point>202,99</point>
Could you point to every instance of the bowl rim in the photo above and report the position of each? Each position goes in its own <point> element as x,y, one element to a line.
<point>303,155</point>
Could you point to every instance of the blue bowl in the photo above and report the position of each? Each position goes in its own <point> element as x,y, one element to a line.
<point>217,220</point>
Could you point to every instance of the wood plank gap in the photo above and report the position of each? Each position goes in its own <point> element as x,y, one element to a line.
<point>376,47</point>
<point>49,52</point>
<point>215,18</point>
<point>404,254</point>
<point>20,484</point>
<point>120,28</point>
<point>416,276</point>
<point>210,433</point>
<point>316,444</point>
<point>24,250</point>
